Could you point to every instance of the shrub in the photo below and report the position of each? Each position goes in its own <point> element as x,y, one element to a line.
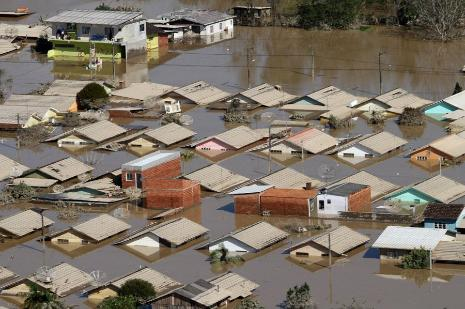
<point>416,259</point>
<point>92,96</point>
<point>336,123</point>
<point>42,299</point>
<point>119,302</point>
<point>137,288</point>
<point>221,255</point>
<point>33,135</point>
<point>457,88</point>
<point>43,45</point>
<point>298,297</point>
<point>411,117</point>
<point>249,303</point>
<point>331,13</point>
<point>21,192</point>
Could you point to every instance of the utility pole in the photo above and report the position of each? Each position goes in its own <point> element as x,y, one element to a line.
<point>249,59</point>
<point>113,60</point>
<point>380,73</point>
<point>312,53</point>
<point>329,248</point>
<point>269,149</point>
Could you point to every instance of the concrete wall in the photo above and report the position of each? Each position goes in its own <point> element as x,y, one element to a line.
<point>146,241</point>
<point>218,27</point>
<point>360,201</point>
<point>336,204</point>
<point>309,250</point>
<point>354,151</point>
<point>231,245</point>
<point>214,144</point>
<point>248,204</point>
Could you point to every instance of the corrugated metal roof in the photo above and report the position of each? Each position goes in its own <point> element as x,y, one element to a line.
<point>151,160</point>
<point>238,286</point>
<point>457,100</point>
<point>177,231</point>
<point>343,239</point>
<point>60,103</point>
<point>340,113</point>
<point>452,145</point>
<point>170,134</point>
<point>35,182</point>
<point>100,131</point>
<point>198,16</point>
<point>312,140</point>
<point>24,30</point>
<point>66,279</point>
<point>94,17</point>
<point>398,99</point>
<point>457,126</point>
<point>202,93</point>
<point>102,227</point>
<point>216,178</point>
<point>239,137</point>
<point>18,115</point>
<point>24,223</point>
<point>161,282</point>
<point>289,178</point>
<point>441,188</point>
<point>204,293</point>
<point>6,274</point>
<point>333,97</point>
<point>258,235</point>
<point>68,88</point>
<point>7,47</point>
<point>66,169</point>
<point>457,114</point>
<point>9,167</point>
<point>143,91</point>
<point>409,238</point>
<point>449,251</point>
<point>268,95</point>
<point>443,211</point>
<point>379,187</point>
<point>383,142</point>
<point>250,189</point>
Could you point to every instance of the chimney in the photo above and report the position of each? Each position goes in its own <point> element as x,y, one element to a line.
<point>308,186</point>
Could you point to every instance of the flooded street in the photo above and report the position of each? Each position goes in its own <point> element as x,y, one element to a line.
<point>281,56</point>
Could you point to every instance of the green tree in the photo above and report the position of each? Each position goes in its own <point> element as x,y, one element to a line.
<point>299,297</point>
<point>42,299</point>
<point>138,289</point>
<point>118,302</point>
<point>411,117</point>
<point>249,303</point>
<point>92,96</point>
<point>21,192</point>
<point>416,259</point>
<point>221,255</point>
<point>339,14</point>
<point>457,88</point>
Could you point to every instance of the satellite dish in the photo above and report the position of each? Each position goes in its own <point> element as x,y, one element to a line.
<point>58,189</point>
<point>186,120</point>
<point>326,172</point>
<point>121,213</point>
<point>44,274</point>
<point>98,277</point>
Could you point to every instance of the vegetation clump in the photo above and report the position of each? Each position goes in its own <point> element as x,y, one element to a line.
<point>33,135</point>
<point>122,8</point>
<point>299,297</point>
<point>457,88</point>
<point>20,192</point>
<point>171,118</point>
<point>333,14</point>
<point>234,113</point>
<point>140,289</point>
<point>416,259</point>
<point>222,256</point>
<point>376,118</point>
<point>37,299</point>
<point>336,123</point>
<point>118,302</point>
<point>249,303</point>
<point>43,45</point>
<point>92,96</point>
<point>411,117</point>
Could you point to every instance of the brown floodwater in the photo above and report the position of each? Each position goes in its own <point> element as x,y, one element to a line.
<point>347,59</point>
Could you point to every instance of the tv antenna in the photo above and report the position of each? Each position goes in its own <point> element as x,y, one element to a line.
<point>98,278</point>
<point>326,172</point>
<point>44,274</point>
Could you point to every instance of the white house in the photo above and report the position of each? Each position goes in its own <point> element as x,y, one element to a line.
<point>341,198</point>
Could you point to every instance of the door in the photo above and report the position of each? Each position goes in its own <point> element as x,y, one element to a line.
<point>109,33</point>
<point>138,181</point>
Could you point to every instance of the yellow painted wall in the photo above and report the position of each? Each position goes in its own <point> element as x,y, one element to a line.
<point>141,142</point>
<point>32,121</point>
<point>72,139</point>
<point>21,289</point>
<point>72,239</point>
<point>101,295</point>
<point>152,43</point>
<point>311,251</point>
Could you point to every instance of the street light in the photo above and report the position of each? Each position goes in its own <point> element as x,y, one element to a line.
<point>268,117</point>
<point>40,211</point>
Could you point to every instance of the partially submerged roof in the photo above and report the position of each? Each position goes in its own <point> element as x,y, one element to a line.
<point>449,251</point>
<point>202,93</point>
<point>289,178</point>
<point>143,91</point>
<point>160,282</point>
<point>398,99</point>
<point>66,169</point>
<point>257,236</point>
<point>409,238</point>
<point>170,134</point>
<point>267,95</point>
<point>102,227</point>
<point>290,193</point>
<point>333,97</point>
<point>216,178</point>
<point>239,137</point>
<point>443,211</point>
<point>252,189</point>
<point>345,189</point>
<point>177,231</point>
<point>6,275</point>
<point>383,142</point>
<point>379,187</point>
<point>312,140</point>
<point>238,286</point>
<point>35,182</point>
<point>10,168</point>
<point>95,17</point>
<point>340,113</point>
<point>343,239</point>
<point>442,189</point>
<point>457,100</point>
<point>204,293</point>
<point>66,279</point>
<point>198,16</point>
<point>60,103</point>
<point>6,46</point>
<point>67,88</point>
<point>24,223</point>
<point>97,132</point>
<point>151,160</point>
<point>452,145</point>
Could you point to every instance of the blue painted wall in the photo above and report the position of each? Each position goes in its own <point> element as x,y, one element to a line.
<point>438,110</point>
<point>450,224</point>
<point>411,196</point>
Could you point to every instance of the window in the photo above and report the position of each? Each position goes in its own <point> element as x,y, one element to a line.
<point>301,254</point>
<point>422,158</point>
<point>328,201</point>
<point>321,205</point>
<point>348,155</point>
<point>438,225</point>
<point>221,26</point>
<point>211,29</point>
<point>369,155</point>
<point>141,27</point>
<point>63,241</point>
<point>129,177</point>
<point>85,30</point>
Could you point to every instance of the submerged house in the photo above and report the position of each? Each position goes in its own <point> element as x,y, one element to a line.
<point>10,168</point>
<point>216,178</point>
<point>200,93</point>
<point>111,33</point>
<point>172,233</point>
<point>438,110</point>
<point>62,280</point>
<point>450,148</point>
<point>23,224</point>
<point>443,216</point>
<point>393,102</point>
<point>91,231</point>
<point>161,283</point>
<point>251,15</point>
<point>375,145</point>
<point>397,241</point>
<point>307,141</point>
<point>350,197</point>
<point>230,140</point>
<point>289,178</point>
<point>438,189</point>
<point>249,239</point>
<point>140,92</point>
<point>339,240</point>
<point>216,292</point>
<point>166,135</point>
